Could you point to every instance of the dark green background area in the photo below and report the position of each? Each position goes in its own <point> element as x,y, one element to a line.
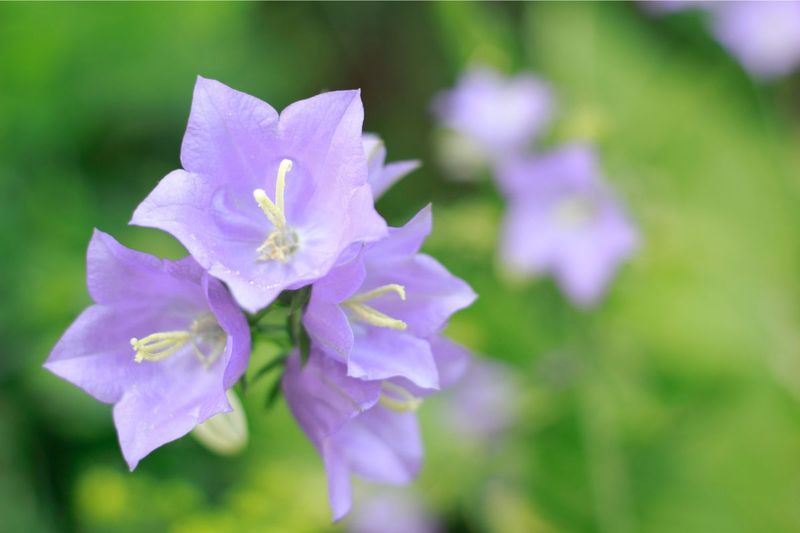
<point>671,407</point>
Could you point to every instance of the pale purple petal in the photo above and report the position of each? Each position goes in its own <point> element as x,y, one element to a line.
<point>149,417</point>
<point>230,135</point>
<point>407,239</point>
<point>233,322</point>
<point>324,319</point>
<point>382,446</point>
<point>380,353</point>
<point>380,175</point>
<point>337,471</point>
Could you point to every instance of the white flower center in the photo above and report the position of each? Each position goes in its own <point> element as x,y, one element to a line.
<point>282,242</point>
<point>364,313</point>
<point>575,211</point>
<point>204,333</point>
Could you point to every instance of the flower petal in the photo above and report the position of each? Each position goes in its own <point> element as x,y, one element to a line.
<point>383,353</point>
<point>229,135</point>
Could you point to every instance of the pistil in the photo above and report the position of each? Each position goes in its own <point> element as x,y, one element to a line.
<point>282,242</point>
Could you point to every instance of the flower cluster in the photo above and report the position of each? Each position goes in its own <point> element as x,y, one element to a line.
<point>277,213</point>
<point>562,217</point>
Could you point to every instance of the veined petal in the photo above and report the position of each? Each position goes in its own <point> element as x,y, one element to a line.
<point>229,134</point>
<point>382,446</point>
<point>143,424</point>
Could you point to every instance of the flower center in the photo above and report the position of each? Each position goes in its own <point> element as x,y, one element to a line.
<point>575,211</point>
<point>370,315</point>
<point>282,242</point>
<point>205,336</point>
<point>397,398</point>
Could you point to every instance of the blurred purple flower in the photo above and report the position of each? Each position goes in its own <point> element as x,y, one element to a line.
<point>382,176</point>
<point>392,511</point>
<point>764,36</point>
<point>351,428</point>
<point>563,219</point>
<point>267,202</point>
<point>491,116</point>
<point>483,403</point>
<point>163,342</point>
<point>376,312</point>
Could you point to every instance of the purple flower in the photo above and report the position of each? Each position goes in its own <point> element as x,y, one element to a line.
<point>563,219</point>
<point>492,117</point>
<point>393,511</point>
<point>163,342</point>
<point>363,427</point>
<point>358,427</point>
<point>377,310</point>
<point>267,202</point>
<point>380,175</point>
<point>764,36</point>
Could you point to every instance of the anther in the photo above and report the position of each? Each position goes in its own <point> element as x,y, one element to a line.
<point>372,316</point>
<point>398,399</point>
<point>159,346</point>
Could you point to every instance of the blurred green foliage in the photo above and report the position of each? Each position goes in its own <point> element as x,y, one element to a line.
<point>673,407</point>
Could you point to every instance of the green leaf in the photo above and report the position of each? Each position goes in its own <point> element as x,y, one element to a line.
<point>297,333</point>
<point>274,393</point>
<point>271,365</point>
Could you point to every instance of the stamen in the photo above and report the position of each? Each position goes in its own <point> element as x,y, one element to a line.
<point>380,291</point>
<point>372,316</point>
<point>406,402</point>
<point>161,345</point>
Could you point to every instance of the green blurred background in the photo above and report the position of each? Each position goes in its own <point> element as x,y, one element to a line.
<point>672,407</point>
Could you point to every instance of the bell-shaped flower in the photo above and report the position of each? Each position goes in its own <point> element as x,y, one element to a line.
<point>357,426</point>
<point>563,219</point>
<point>488,117</point>
<point>163,342</point>
<point>267,202</point>
<point>382,176</point>
<point>377,311</point>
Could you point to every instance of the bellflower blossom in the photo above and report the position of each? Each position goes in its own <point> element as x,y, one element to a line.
<point>377,311</point>
<point>763,36</point>
<point>382,176</point>
<point>490,117</point>
<point>563,219</point>
<point>163,342</point>
<point>364,427</point>
<point>267,202</point>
